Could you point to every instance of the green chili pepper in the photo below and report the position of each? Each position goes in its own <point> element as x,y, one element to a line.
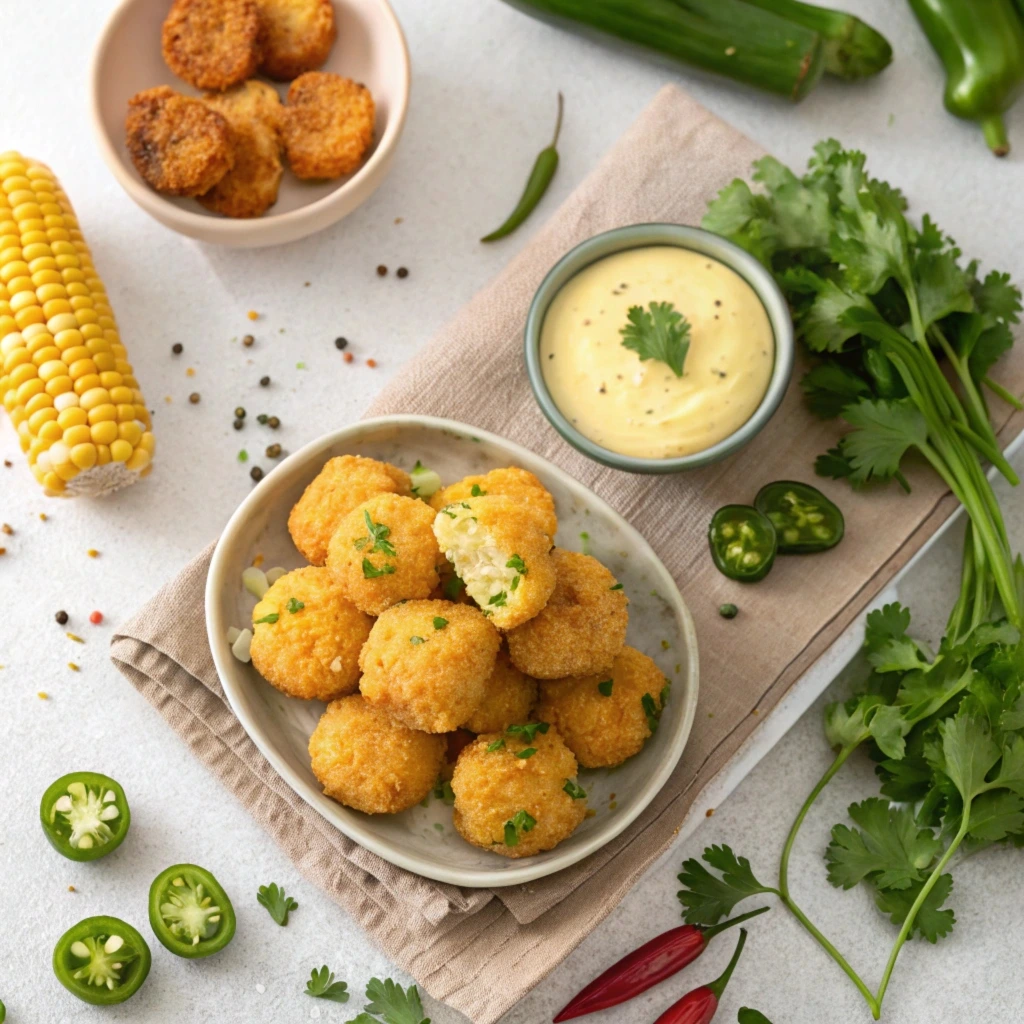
<point>3,1012</point>
<point>981,46</point>
<point>190,912</point>
<point>743,543</point>
<point>544,168</point>
<point>805,520</point>
<point>102,960</point>
<point>85,815</point>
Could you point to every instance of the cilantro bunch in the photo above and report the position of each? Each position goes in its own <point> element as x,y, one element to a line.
<point>879,302</point>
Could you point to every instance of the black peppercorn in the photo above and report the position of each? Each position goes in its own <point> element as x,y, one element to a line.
<point>402,271</point>
<point>177,348</point>
<point>256,473</point>
<point>340,343</point>
<point>62,618</point>
<point>264,382</point>
<point>238,424</point>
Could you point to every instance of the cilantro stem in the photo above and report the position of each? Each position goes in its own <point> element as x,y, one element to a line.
<point>955,624</point>
<point>784,876</point>
<point>908,922</point>
<point>1008,397</point>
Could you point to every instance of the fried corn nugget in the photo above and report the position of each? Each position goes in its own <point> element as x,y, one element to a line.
<point>345,482</point>
<point>178,145</point>
<point>249,189</point>
<point>307,637</point>
<point>328,125</point>
<point>605,718</point>
<point>516,806</point>
<point>212,44</point>
<point>428,663</point>
<point>580,630</point>
<point>500,550</point>
<point>384,552</point>
<point>365,759</point>
<point>511,482</point>
<point>297,36</point>
<point>507,700</point>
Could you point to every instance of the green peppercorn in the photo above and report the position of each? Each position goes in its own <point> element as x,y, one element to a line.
<point>262,418</point>
<point>728,611</point>
<point>239,413</point>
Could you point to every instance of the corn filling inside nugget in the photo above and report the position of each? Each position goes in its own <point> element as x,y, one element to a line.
<point>297,36</point>
<point>510,482</point>
<point>212,44</point>
<point>178,145</point>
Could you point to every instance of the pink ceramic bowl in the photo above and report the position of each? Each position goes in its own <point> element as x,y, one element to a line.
<point>370,49</point>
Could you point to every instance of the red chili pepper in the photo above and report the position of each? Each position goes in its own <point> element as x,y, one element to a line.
<point>700,1005</point>
<point>640,970</point>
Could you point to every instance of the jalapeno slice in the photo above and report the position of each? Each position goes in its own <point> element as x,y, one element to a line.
<point>743,543</point>
<point>190,912</point>
<point>804,519</point>
<point>101,960</point>
<point>85,815</point>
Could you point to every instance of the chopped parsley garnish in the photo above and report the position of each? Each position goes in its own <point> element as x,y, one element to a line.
<point>585,542</point>
<point>270,619</point>
<point>659,332</point>
<point>499,599</point>
<point>443,791</point>
<point>476,491</point>
<point>515,562</point>
<point>378,533</point>
<point>278,904</point>
<point>496,745</point>
<point>371,572</point>
<point>445,512</point>
<point>520,822</point>
<point>618,586</point>
<point>575,791</point>
<point>515,583</point>
<point>605,687</point>
<point>439,623</point>
<point>322,985</point>
<point>416,640</point>
<point>529,730</point>
<point>524,754</point>
<point>453,588</point>
<point>651,711</point>
<point>295,605</point>
<point>666,690</point>
<point>464,504</point>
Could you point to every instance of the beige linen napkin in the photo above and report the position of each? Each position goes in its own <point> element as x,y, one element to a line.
<point>478,950</point>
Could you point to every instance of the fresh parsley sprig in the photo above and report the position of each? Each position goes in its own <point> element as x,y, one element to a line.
<point>278,904</point>
<point>321,985</point>
<point>388,1003</point>
<point>659,332</point>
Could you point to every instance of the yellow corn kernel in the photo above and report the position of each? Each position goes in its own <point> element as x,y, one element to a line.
<point>65,379</point>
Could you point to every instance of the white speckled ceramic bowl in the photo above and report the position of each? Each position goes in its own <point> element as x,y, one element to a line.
<point>370,48</point>
<point>423,839</point>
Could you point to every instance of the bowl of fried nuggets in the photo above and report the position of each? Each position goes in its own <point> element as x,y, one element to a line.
<point>457,654</point>
<point>250,122</point>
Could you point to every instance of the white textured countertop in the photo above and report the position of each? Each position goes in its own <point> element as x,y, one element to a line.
<point>485,79</point>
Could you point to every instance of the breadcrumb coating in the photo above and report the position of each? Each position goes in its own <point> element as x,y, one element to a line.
<point>510,482</point>
<point>345,482</point>
<point>500,550</point>
<point>311,650</point>
<point>428,663</point>
<point>602,717</point>
<point>178,145</point>
<point>492,786</point>
<point>580,630</point>
<point>508,699</point>
<point>384,552</point>
<point>212,44</point>
<point>297,36</point>
<point>366,760</point>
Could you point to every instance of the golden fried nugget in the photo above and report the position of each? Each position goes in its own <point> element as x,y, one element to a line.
<point>604,718</point>
<point>343,483</point>
<point>367,760</point>
<point>428,663</point>
<point>307,637</point>
<point>328,125</point>
<point>384,552</point>
<point>507,701</point>
<point>253,112</point>
<point>297,36</point>
<point>512,482</point>
<point>178,145</point>
<point>581,629</point>
<point>212,44</point>
<point>500,550</point>
<point>516,806</point>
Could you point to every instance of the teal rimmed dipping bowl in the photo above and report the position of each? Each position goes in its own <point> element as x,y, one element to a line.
<point>637,236</point>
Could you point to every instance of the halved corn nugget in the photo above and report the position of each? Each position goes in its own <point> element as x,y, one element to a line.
<point>253,112</point>
<point>212,44</point>
<point>65,379</point>
<point>510,481</point>
<point>179,145</point>
<point>328,125</point>
<point>297,36</point>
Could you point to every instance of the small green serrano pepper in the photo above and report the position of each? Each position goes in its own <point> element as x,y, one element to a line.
<point>189,912</point>
<point>85,815</point>
<point>544,168</point>
<point>102,960</point>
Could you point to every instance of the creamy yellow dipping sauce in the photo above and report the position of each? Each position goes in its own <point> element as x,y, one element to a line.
<point>642,408</point>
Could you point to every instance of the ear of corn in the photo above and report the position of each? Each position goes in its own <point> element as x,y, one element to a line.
<point>65,379</point>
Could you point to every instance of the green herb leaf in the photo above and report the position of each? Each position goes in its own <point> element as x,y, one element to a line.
<point>707,898</point>
<point>515,562</point>
<point>605,687</point>
<point>830,387</point>
<point>527,753</point>
<point>651,710</point>
<point>389,1003</point>
<point>371,572</point>
<point>846,723</point>
<point>378,533</point>
<point>618,586</point>
<point>270,619</point>
<point>660,332</point>
<point>995,815</point>
<point>499,600</point>
<point>529,730</point>
<point>322,985</point>
<point>453,587</point>
<point>439,623</point>
<point>416,640</point>
<point>749,1016</point>
<point>967,753</point>
<point>295,605</point>
<point>476,492</point>
<point>520,823</point>
<point>495,745</point>
<point>931,922</point>
<point>574,790</point>
<point>277,902</point>
<point>884,431</point>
